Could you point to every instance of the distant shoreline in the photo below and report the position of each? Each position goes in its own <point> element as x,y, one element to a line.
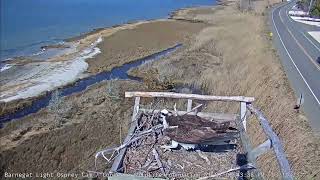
<point>33,48</point>
<point>144,37</point>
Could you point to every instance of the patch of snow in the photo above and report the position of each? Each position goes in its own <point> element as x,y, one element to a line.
<point>298,13</point>
<point>5,67</point>
<point>315,35</point>
<point>295,7</point>
<point>307,20</point>
<point>52,75</point>
<point>99,40</point>
<point>38,53</point>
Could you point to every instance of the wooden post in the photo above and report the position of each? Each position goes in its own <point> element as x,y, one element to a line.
<point>276,144</point>
<point>247,148</point>
<point>243,116</point>
<point>189,106</point>
<point>117,162</point>
<point>262,148</point>
<point>135,108</point>
<point>245,139</point>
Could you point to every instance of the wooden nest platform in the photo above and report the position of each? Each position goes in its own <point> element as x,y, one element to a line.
<point>145,157</point>
<point>141,156</point>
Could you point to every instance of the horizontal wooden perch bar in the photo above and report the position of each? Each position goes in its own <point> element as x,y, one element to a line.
<point>189,96</point>
<point>214,116</point>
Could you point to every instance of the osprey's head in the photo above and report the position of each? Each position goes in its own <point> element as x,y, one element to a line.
<point>164,114</point>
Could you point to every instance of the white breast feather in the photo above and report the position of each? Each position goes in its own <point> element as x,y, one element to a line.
<point>186,146</point>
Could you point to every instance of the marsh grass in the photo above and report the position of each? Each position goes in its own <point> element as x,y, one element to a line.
<point>235,56</point>
<point>59,108</point>
<point>112,89</point>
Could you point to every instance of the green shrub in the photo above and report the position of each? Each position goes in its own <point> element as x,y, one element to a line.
<point>315,12</point>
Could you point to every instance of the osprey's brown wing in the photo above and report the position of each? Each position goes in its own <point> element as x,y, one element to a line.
<point>196,122</point>
<point>203,135</point>
<point>185,119</point>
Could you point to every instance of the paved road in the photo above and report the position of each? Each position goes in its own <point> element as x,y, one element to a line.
<point>298,52</point>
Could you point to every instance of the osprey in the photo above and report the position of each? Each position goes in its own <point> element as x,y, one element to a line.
<point>190,131</point>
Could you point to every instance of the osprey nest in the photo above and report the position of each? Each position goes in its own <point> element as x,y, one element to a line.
<point>188,155</point>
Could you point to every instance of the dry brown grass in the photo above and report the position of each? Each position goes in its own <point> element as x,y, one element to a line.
<point>66,139</point>
<point>232,56</point>
<point>39,143</point>
<point>235,57</point>
<point>144,39</point>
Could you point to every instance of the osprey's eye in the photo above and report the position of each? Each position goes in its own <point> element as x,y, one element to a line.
<point>163,114</point>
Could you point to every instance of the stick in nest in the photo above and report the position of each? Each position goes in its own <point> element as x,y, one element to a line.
<point>149,120</point>
<point>204,157</point>
<point>156,156</point>
<point>244,167</point>
<point>135,137</point>
<point>147,163</point>
<point>193,109</point>
<point>175,109</point>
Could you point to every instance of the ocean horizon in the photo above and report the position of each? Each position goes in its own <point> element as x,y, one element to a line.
<point>28,25</point>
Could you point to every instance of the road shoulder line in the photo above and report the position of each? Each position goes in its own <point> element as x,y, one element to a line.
<point>290,55</point>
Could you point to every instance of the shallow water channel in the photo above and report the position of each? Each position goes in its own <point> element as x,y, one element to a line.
<point>120,72</point>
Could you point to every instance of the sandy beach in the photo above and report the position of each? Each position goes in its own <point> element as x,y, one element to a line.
<point>213,52</point>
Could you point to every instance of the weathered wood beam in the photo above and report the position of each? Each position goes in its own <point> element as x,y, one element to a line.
<point>118,161</point>
<point>214,116</point>
<point>246,144</point>
<point>157,157</point>
<point>135,108</point>
<point>243,114</point>
<point>261,149</point>
<point>189,96</point>
<point>189,106</point>
<point>247,147</point>
<point>276,144</point>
